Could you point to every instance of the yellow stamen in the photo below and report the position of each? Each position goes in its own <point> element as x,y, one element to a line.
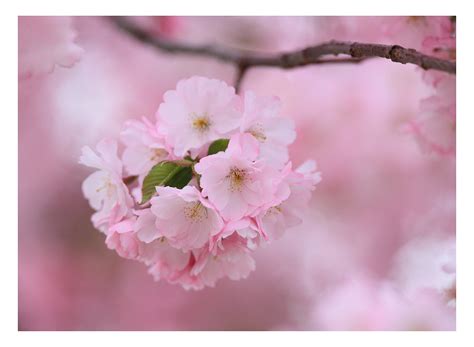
<point>157,154</point>
<point>195,212</point>
<point>258,133</point>
<point>201,123</point>
<point>237,179</point>
<point>274,210</point>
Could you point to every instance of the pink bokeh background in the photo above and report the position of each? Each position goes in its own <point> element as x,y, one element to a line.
<point>380,227</point>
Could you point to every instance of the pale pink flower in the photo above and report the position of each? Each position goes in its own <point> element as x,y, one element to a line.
<point>201,267</point>
<point>442,47</point>
<point>412,31</point>
<point>199,111</point>
<point>261,118</point>
<point>104,189</point>
<point>246,228</point>
<point>235,183</point>
<point>308,172</point>
<point>232,260</point>
<point>363,304</point>
<point>286,210</point>
<point>427,262</point>
<point>143,147</point>
<point>164,261</point>
<point>123,240</point>
<point>184,217</point>
<point>45,42</point>
<point>435,125</point>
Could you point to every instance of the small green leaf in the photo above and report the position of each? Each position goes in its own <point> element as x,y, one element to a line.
<point>218,146</point>
<point>181,178</point>
<point>165,173</point>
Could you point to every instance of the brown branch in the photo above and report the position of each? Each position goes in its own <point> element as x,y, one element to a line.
<point>244,60</point>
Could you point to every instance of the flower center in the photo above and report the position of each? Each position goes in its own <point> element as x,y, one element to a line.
<point>157,154</point>
<point>237,179</point>
<point>109,188</point>
<point>258,133</point>
<point>201,123</point>
<point>195,212</point>
<point>274,210</point>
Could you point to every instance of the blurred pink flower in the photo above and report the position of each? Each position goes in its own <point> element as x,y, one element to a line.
<point>427,262</point>
<point>45,42</point>
<point>365,304</point>
<point>413,31</point>
<point>435,129</point>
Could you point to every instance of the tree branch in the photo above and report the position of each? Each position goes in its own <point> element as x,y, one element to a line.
<point>244,60</point>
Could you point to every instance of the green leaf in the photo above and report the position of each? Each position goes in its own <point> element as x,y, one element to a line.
<point>181,178</point>
<point>165,173</point>
<point>218,146</point>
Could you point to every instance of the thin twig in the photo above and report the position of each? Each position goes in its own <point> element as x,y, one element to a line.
<point>244,60</point>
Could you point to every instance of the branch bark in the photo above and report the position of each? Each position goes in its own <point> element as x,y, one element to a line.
<point>244,60</point>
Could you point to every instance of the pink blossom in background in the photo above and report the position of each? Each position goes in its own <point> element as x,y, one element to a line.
<point>372,247</point>
<point>46,42</point>
<point>362,304</point>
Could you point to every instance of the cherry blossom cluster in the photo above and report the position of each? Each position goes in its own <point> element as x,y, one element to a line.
<point>435,125</point>
<point>194,193</point>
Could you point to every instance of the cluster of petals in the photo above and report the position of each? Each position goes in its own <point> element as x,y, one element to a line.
<point>245,195</point>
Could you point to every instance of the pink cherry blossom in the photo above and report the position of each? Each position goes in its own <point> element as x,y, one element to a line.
<point>412,31</point>
<point>235,200</point>
<point>123,240</point>
<point>261,119</point>
<point>232,260</point>
<point>45,42</point>
<point>184,217</point>
<point>246,228</point>
<point>144,147</point>
<point>286,211</point>
<point>435,125</point>
<point>199,111</point>
<point>164,261</point>
<point>365,304</point>
<point>428,262</point>
<point>104,189</point>
<point>235,183</point>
